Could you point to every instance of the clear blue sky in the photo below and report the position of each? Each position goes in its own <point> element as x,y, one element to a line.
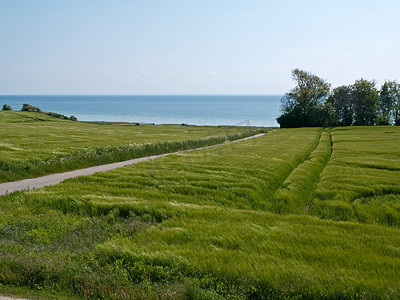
<point>193,47</point>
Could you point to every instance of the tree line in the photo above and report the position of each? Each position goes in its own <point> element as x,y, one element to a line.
<point>313,103</point>
<point>31,108</point>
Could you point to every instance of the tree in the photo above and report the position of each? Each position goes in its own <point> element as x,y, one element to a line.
<point>341,99</point>
<point>6,107</point>
<point>303,105</point>
<point>365,99</point>
<point>389,103</point>
<point>396,110</point>
<point>27,107</point>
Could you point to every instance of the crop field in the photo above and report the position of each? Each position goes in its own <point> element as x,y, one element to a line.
<point>297,213</point>
<point>33,144</point>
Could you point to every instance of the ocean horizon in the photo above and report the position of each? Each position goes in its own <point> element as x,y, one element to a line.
<point>213,110</point>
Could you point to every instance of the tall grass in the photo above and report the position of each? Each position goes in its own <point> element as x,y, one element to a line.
<point>218,223</point>
<point>32,146</point>
<point>33,136</point>
<point>297,190</point>
<point>261,255</point>
<point>361,182</point>
<point>15,170</point>
<point>242,175</point>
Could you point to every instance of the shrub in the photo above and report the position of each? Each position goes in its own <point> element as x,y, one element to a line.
<point>28,107</point>
<point>6,107</point>
<point>60,116</point>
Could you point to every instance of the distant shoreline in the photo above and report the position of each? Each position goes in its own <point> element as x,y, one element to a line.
<point>228,110</point>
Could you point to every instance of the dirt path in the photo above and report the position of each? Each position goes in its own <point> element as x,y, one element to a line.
<point>10,298</point>
<point>53,179</point>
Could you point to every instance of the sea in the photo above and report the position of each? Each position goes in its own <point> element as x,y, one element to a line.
<point>236,110</point>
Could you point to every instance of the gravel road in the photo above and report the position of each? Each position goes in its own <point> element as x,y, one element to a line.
<point>53,179</point>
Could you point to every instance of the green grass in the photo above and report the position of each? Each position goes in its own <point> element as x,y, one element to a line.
<point>362,179</point>
<point>27,293</point>
<point>33,144</point>
<point>297,213</point>
<point>257,254</point>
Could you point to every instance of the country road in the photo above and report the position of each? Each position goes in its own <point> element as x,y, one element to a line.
<point>52,179</point>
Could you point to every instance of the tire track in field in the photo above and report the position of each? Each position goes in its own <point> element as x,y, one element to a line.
<point>300,185</point>
<point>326,161</point>
<point>281,182</point>
<point>27,184</point>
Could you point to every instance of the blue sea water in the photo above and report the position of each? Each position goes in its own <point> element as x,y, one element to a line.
<point>195,110</point>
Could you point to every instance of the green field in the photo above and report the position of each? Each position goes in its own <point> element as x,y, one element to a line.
<point>33,144</point>
<point>297,213</point>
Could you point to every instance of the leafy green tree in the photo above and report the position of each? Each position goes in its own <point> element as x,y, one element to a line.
<point>396,111</point>
<point>342,103</point>
<point>6,107</point>
<point>28,107</point>
<point>365,99</point>
<point>389,102</point>
<point>303,105</point>
<point>328,115</point>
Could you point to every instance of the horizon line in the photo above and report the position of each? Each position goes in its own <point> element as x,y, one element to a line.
<point>122,95</point>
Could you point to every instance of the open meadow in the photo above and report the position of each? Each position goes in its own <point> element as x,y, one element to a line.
<point>296,213</point>
<point>33,144</point>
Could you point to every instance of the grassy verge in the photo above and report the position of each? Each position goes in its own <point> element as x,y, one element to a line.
<point>27,293</point>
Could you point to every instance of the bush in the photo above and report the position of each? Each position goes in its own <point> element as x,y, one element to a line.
<point>6,107</point>
<point>27,107</point>
<point>56,115</point>
<point>60,116</point>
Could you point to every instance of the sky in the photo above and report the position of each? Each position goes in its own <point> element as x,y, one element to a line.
<point>213,47</point>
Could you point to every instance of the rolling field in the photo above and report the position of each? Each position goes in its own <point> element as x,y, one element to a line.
<point>297,213</point>
<point>33,144</point>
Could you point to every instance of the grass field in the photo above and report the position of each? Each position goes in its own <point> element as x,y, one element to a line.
<point>297,213</point>
<point>33,144</point>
